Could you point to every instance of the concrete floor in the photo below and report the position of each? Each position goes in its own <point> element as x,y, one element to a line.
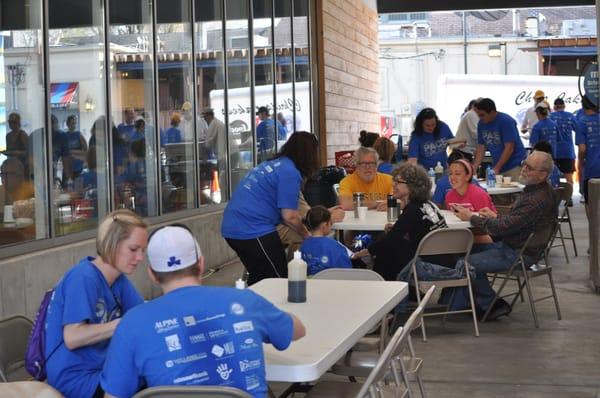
<point>512,358</point>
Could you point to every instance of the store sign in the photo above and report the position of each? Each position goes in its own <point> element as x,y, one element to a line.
<point>588,82</point>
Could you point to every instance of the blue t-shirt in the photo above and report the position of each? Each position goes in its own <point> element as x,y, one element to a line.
<point>555,177</point>
<point>255,207</point>
<point>588,133</point>
<point>322,252</point>
<point>265,135</point>
<point>385,168</point>
<point>73,143</point>
<point>171,136</point>
<point>197,335</point>
<point>126,131</point>
<point>83,295</point>
<point>545,130</point>
<point>429,150</point>
<point>567,124</point>
<point>494,135</point>
<point>443,186</point>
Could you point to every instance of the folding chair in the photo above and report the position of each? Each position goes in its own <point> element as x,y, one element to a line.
<point>522,273</point>
<point>192,391</point>
<point>14,334</point>
<point>446,241</point>
<point>29,389</point>
<point>564,193</point>
<point>391,366</point>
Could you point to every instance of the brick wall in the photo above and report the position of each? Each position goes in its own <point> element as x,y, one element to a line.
<point>350,72</point>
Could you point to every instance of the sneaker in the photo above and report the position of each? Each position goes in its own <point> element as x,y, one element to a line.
<point>501,308</point>
<point>570,203</point>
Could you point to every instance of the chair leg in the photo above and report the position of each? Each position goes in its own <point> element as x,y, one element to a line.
<point>419,302</point>
<point>472,299</point>
<point>411,351</point>
<point>520,292</point>
<point>530,296</point>
<point>571,230</point>
<point>554,296</point>
<point>564,246</point>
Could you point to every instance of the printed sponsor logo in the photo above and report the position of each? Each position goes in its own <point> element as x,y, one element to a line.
<point>187,359</point>
<point>248,344</point>
<point>237,309</point>
<point>202,376</point>
<point>252,382</point>
<point>173,343</point>
<point>224,371</point>
<point>225,349</point>
<point>189,320</point>
<point>210,318</point>
<point>247,365</point>
<point>197,338</point>
<point>242,327</point>
<point>215,334</point>
<point>166,325</point>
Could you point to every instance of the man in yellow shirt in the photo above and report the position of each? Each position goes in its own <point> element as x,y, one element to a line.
<point>375,186</point>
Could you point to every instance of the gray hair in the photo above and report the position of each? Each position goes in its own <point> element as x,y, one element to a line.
<point>546,162</point>
<point>363,151</point>
<point>417,180</point>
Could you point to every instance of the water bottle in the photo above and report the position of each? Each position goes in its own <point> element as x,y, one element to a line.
<point>297,279</point>
<point>431,174</point>
<point>240,284</point>
<point>491,177</point>
<point>439,171</point>
<point>392,209</point>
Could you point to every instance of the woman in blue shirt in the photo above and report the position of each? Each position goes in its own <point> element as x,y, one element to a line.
<point>545,129</point>
<point>88,303</point>
<point>385,148</point>
<point>266,197</point>
<point>428,141</point>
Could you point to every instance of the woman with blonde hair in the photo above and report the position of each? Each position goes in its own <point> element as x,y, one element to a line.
<point>88,303</point>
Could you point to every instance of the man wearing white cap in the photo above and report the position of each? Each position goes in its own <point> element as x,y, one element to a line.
<point>193,335</point>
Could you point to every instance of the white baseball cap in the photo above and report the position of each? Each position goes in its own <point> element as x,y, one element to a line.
<point>172,248</point>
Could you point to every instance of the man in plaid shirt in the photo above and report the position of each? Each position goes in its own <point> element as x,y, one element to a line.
<point>536,209</point>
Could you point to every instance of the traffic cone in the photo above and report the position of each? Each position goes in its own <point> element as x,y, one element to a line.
<point>215,189</point>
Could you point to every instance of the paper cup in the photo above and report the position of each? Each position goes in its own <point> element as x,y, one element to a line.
<point>507,180</point>
<point>499,179</point>
<point>8,214</point>
<point>362,212</point>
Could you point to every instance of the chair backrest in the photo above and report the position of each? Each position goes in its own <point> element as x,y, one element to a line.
<point>397,344</point>
<point>540,240</point>
<point>192,391</point>
<point>349,274</point>
<point>14,333</point>
<point>29,389</point>
<point>445,241</point>
<point>566,192</point>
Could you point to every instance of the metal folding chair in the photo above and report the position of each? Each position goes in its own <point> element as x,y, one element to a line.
<point>564,193</point>
<point>389,376</point>
<point>523,273</point>
<point>14,335</point>
<point>446,241</point>
<point>192,391</point>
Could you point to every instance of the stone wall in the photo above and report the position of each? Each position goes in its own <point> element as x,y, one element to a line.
<point>350,69</point>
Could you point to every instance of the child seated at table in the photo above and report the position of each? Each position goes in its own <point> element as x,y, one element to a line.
<point>321,251</point>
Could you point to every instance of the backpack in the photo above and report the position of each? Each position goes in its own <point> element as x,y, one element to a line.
<point>35,359</point>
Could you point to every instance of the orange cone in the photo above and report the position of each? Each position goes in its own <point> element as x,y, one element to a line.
<point>215,189</point>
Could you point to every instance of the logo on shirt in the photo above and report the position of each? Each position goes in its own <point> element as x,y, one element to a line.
<point>252,382</point>
<point>237,309</point>
<point>197,338</point>
<point>247,365</point>
<point>248,344</point>
<point>225,349</point>
<point>210,318</point>
<point>190,358</point>
<point>189,320</point>
<point>491,137</point>
<point>242,327</point>
<point>199,377</point>
<point>215,334</point>
<point>224,371</point>
<point>166,325</point>
<point>101,309</point>
<point>173,343</point>
<point>324,260</point>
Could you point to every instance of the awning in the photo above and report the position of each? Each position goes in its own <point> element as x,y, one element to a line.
<point>569,51</point>
<point>61,94</point>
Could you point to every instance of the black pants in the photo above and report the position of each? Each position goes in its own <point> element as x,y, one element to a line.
<point>263,257</point>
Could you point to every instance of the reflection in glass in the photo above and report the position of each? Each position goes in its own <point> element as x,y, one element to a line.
<point>241,142</point>
<point>210,105</point>
<point>176,116</point>
<point>22,134</point>
<point>284,71</point>
<point>302,105</point>
<point>132,92</point>
<point>77,106</point>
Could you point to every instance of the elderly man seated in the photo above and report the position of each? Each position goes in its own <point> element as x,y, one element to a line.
<point>375,186</point>
<point>536,209</point>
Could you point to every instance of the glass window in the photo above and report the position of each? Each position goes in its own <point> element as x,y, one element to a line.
<point>302,87</point>
<point>132,107</point>
<point>78,120</point>
<point>241,114</point>
<point>23,190</point>
<point>266,131</point>
<point>284,70</point>
<point>210,102</point>
<point>176,111</point>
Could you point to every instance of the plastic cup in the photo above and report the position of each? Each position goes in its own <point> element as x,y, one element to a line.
<point>507,180</point>
<point>8,214</point>
<point>362,212</point>
<point>499,179</point>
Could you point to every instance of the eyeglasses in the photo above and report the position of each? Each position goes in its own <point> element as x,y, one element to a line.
<point>528,167</point>
<point>399,181</point>
<point>367,164</point>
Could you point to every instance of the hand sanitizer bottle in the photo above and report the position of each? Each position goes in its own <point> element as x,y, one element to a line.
<point>297,279</point>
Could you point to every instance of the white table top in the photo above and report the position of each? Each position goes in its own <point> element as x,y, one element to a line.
<point>501,190</point>
<point>336,315</point>
<point>376,221</point>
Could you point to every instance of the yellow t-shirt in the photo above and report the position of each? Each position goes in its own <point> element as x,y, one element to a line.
<point>378,189</point>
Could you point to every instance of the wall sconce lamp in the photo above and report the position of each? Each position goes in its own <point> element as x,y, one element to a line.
<point>89,105</point>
